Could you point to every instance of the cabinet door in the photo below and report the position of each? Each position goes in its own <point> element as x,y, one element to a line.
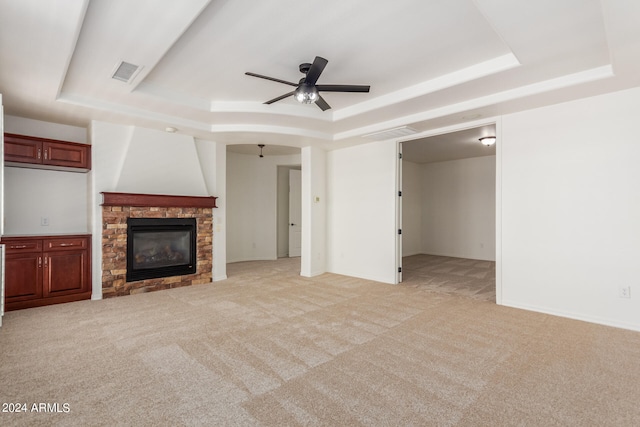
<point>22,150</point>
<point>23,276</point>
<point>66,272</point>
<point>66,155</point>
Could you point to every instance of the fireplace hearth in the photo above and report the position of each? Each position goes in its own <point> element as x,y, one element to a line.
<point>160,247</point>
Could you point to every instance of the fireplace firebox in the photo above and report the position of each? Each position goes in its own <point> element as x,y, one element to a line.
<point>160,247</point>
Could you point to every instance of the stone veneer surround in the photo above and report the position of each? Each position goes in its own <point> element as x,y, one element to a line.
<point>117,207</point>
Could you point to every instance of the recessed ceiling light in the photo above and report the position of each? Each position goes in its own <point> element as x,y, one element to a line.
<point>170,129</point>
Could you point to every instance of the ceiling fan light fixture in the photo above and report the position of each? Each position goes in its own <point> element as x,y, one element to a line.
<point>306,94</point>
<point>488,140</point>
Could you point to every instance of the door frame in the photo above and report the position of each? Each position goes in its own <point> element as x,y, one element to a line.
<point>282,214</point>
<point>292,226</point>
<point>498,189</point>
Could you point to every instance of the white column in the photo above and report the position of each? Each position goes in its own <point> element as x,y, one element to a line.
<point>314,212</point>
<point>213,161</point>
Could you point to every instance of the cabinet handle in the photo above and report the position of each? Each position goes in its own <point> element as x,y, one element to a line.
<point>18,246</point>
<point>46,154</point>
<point>66,244</point>
<point>39,261</point>
<point>46,262</point>
<point>39,153</point>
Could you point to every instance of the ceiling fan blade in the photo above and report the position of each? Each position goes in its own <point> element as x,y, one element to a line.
<point>316,69</point>
<point>286,95</point>
<point>320,102</point>
<point>271,78</point>
<point>342,88</point>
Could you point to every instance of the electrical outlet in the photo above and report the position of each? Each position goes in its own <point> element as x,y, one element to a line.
<point>44,221</point>
<point>624,291</point>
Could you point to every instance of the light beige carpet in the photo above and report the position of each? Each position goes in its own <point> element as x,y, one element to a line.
<point>270,348</point>
<point>454,276</point>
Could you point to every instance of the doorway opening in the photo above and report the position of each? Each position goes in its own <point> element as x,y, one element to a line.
<point>254,200</point>
<point>447,213</point>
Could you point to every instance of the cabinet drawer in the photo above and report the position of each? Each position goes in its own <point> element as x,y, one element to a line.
<point>65,243</point>
<point>22,246</point>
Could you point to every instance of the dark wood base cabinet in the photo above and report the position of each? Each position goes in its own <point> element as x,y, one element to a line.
<point>43,270</point>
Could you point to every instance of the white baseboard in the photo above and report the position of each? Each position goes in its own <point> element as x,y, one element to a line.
<point>575,316</point>
<point>412,253</point>
<point>230,261</point>
<point>452,256</point>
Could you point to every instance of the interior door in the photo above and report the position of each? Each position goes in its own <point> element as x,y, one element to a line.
<point>295,213</point>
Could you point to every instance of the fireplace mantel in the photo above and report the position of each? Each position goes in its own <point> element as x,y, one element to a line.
<point>157,200</point>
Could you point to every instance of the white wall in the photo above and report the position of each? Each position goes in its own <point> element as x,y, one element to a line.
<point>32,194</point>
<point>571,209</point>
<point>459,205</point>
<point>361,211</point>
<point>160,163</point>
<point>252,205</point>
<point>30,127</point>
<point>412,207</point>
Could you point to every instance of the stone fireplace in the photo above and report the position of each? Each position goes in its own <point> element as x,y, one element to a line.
<point>120,208</point>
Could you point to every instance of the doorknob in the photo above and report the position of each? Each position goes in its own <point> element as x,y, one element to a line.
<point>292,224</point>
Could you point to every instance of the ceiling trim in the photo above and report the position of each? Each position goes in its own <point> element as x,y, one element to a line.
<point>122,109</point>
<point>485,101</point>
<point>575,79</point>
<point>464,75</point>
<point>279,130</point>
<point>82,12</point>
<point>211,106</point>
<point>167,120</point>
<point>482,122</point>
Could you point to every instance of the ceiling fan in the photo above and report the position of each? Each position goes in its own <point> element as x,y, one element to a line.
<point>307,91</point>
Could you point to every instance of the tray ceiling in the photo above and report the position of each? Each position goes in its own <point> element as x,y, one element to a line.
<point>429,64</point>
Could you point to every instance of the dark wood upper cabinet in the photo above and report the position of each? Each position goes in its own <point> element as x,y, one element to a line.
<point>42,153</point>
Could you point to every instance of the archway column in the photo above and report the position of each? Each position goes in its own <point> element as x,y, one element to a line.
<point>314,211</point>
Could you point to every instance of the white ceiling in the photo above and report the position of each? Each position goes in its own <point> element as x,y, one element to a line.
<point>462,144</point>
<point>430,64</point>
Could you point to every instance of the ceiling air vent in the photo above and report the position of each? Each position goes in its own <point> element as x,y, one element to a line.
<point>125,72</point>
<point>391,133</point>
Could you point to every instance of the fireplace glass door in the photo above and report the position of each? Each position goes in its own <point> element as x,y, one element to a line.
<point>160,247</point>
